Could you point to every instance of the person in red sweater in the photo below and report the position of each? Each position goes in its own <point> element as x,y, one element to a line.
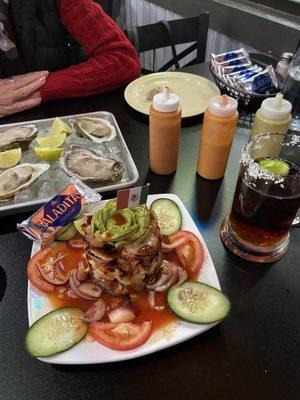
<point>107,59</point>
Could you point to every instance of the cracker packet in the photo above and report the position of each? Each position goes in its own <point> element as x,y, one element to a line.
<point>45,223</point>
<point>260,82</point>
<point>230,55</point>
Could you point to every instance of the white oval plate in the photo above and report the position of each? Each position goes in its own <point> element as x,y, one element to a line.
<point>91,352</point>
<point>194,91</point>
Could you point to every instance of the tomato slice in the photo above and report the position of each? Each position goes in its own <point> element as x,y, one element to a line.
<point>190,253</point>
<point>52,269</point>
<point>121,336</point>
<point>34,274</point>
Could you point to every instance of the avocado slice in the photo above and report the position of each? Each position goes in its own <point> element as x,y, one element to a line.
<point>142,214</point>
<point>119,227</point>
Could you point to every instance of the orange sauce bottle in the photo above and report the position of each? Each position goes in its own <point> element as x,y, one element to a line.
<point>164,132</point>
<point>219,125</point>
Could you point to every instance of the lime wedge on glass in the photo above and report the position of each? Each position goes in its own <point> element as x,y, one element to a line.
<point>60,126</point>
<point>10,158</point>
<point>56,140</point>
<point>48,153</point>
<point>275,166</point>
<point>78,225</point>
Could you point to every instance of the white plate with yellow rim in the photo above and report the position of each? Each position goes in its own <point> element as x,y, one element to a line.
<point>194,91</point>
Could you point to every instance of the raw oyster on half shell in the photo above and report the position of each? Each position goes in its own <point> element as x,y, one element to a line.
<point>97,130</point>
<point>18,178</point>
<point>17,136</point>
<point>90,167</point>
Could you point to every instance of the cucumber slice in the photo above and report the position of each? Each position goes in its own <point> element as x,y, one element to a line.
<point>56,332</point>
<point>198,303</point>
<point>168,215</point>
<point>66,233</point>
<point>78,225</point>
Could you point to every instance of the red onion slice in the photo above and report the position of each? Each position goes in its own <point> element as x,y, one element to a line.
<point>82,272</point>
<point>169,283</point>
<point>90,289</point>
<point>166,248</point>
<point>122,314</point>
<point>74,278</point>
<point>73,282</point>
<point>151,299</point>
<point>161,281</point>
<point>96,312</point>
<point>77,244</point>
<point>166,268</point>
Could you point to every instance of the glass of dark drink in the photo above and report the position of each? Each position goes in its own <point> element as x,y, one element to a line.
<point>266,199</point>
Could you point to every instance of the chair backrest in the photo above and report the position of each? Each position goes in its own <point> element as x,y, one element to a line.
<point>164,34</point>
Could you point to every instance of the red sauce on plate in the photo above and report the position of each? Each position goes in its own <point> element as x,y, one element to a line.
<point>160,318</point>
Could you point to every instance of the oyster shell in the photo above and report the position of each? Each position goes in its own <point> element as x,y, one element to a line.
<point>97,130</point>
<point>18,178</point>
<point>17,136</point>
<point>89,167</point>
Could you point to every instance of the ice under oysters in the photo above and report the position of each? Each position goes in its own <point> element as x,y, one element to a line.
<point>89,167</point>
<point>97,130</point>
<point>17,136</point>
<point>18,178</point>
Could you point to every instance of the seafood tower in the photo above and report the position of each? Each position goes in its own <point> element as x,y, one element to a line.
<point>124,248</point>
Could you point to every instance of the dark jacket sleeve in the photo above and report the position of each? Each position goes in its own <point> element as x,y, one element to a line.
<point>112,60</point>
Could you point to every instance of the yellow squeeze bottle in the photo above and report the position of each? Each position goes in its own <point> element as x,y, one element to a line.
<point>274,116</point>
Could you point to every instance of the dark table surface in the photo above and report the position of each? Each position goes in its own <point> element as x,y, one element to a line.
<point>253,354</point>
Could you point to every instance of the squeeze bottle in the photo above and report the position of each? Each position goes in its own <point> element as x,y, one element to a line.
<point>218,129</point>
<point>274,116</point>
<point>164,132</point>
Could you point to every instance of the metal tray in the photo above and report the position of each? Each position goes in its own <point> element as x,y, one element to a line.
<point>55,179</point>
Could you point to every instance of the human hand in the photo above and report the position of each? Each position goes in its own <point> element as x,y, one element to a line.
<point>20,92</point>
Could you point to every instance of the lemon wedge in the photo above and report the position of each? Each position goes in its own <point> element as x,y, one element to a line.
<point>59,126</point>
<point>56,140</point>
<point>48,153</point>
<point>10,158</point>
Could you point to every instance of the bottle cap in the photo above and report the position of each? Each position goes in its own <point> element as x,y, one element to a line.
<point>287,56</point>
<point>276,107</point>
<point>223,106</point>
<point>166,101</point>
